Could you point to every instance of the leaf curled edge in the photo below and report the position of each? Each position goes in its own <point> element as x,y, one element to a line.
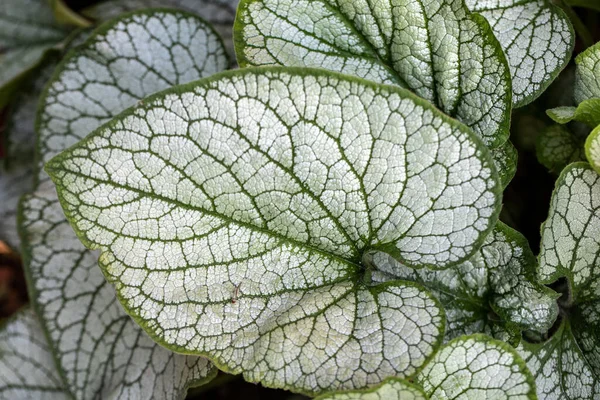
<point>537,38</point>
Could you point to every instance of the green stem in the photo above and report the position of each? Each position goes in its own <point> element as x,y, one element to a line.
<point>582,31</point>
<point>221,379</point>
<point>591,4</point>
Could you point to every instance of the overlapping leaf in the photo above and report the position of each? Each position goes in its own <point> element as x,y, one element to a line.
<point>477,367</point>
<point>587,95</point>
<point>232,215</point>
<point>587,98</point>
<point>102,352</point>
<point>495,291</point>
<point>438,49</point>
<point>27,32</point>
<point>27,369</point>
<point>470,367</point>
<point>219,13</point>
<point>536,37</point>
<point>567,366</point>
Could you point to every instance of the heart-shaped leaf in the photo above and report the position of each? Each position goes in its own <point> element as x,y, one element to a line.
<point>567,366</point>
<point>469,367</point>
<point>101,351</point>
<point>27,32</point>
<point>494,291</point>
<point>537,38</point>
<point>27,369</point>
<point>232,215</point>
<point>439,50</point>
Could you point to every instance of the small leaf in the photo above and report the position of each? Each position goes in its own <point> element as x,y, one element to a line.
<point>243,203</point>
<point>27,32</point>
<point>27,369</point>
<point>537,38</point>
<point>100,349</point>
<point>499,279</point>
<point>562,115</point>
<point>219,13</point>
<point>592,149</point>
<point>568,365</point>
<point>389,389</point>
<point>505,158</point>
<point>440,51</point>
<point>556,147</point>
<point>477,367</point>
<point>588,112</point>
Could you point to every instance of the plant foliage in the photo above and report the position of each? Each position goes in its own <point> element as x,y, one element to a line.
<point>323,219</point>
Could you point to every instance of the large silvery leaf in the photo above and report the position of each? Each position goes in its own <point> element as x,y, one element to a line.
<point>101,351</point>
<point>439,50</point>
<point>470,367</point>
<point>494,291</point>
<point>536,37</point>
<point>232,215</point>
<point>567,366</point>
<point>27,32</point>
<point>27,369</point>
<point>219,13</point>
<point>477,367</point>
